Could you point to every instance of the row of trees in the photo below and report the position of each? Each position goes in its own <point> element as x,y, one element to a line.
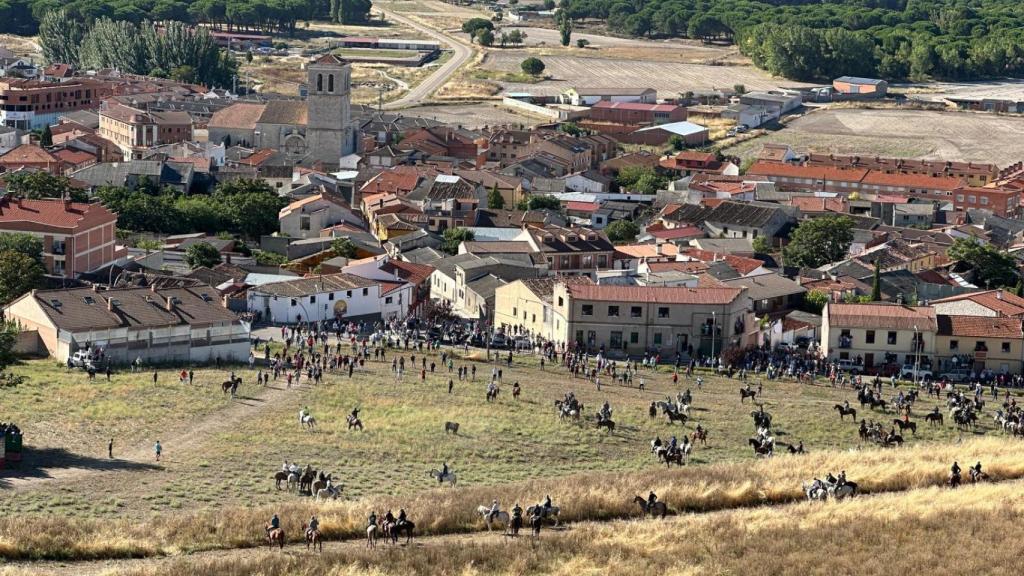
<point>245,207</point>
<point>178,50</point>
<point>26,16</point>
<point>894,39</point>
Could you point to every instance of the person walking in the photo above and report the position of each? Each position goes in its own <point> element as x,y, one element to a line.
<point>110,449</point>
<point>154,376</point>
<point>158,449</point>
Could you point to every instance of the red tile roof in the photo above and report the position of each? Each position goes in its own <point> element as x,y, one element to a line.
<point>676,233</point>
<point>74,157</point>
<point>656,294</point>
<point>582,206</point>
<point>28,154</point>
<point>980,327</point>
<point>1003,302</point>
<point>42,215</point>
<point>912,181</point>
<point>881,316</point>
<point>741,264</point>
<point>409,271</point>
<point>817,172</point>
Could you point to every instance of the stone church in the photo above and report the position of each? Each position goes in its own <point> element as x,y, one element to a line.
<point>316,130</point>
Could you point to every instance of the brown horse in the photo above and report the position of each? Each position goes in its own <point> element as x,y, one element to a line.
<point>701,435</point>
<point>275,536</point>
<point>227,385</point>
<point>313,539</point>
<point>516,391</point>
<point>655,510</point>
<point>280,477</point>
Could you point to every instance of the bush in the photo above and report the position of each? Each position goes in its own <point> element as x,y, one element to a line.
<point>532,66</point>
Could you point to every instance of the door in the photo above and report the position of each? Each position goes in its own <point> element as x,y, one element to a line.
<point>869,361</point>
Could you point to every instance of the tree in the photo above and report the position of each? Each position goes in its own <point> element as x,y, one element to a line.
<point>676,142</point>
<point>36,185</point>
<point>815,301</point>
<point>570,128</point>
<point>532,66</point>
<point>149,245</point>
<point>60,37</point>
<point>642,179</point>
<point>622,231</point>
<point>739,88</point>
<point>265,258</point>
<point>761,245</point>
<point>46,138</point>
<point>19,273</point>
<point>992,267</point>
<point>8,338</point>
<point>876,284</point>
<point>452,237</point>
<point>543,203</point>
<point>202,254</point>
<point>582,43</point>
<point>564,27</point>
<point>485,37</point>
<point>495,200</point>
<point>819,241</point>
<point>345,247</point>
<point>474,25</point>
<point>22,243</point>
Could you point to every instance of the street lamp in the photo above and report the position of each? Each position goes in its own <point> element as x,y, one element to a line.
<point>714,367</point>
<point>917,355</point>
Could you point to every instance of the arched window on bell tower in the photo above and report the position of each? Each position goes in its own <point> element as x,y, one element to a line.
<point>330,82</point>
<point>319,82</point>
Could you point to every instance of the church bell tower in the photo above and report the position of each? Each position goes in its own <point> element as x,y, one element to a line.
<point>329,119</point>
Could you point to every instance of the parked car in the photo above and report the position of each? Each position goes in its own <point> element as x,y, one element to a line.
<point>959,375</point>
<point>803,342</point>
<point>908,372</point>
<point>523,343</point>
<point>499,341</point>
<point>741,128</point>
<point>850,366</point>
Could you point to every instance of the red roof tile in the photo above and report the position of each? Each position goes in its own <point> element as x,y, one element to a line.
<point>27,154</point>
<point>980,326</point>
<point>1004,303</point>
<point>40,215</point>
<point>582,206</point>
<point>881,316</point>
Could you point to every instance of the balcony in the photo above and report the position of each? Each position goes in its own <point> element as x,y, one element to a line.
<point>845,342</point>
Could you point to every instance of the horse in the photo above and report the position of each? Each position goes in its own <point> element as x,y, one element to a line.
<point>279,477</point>
<point>514,525</point>
<point>535,523</point>
<point>227,385</point>
<point>606,423</point>
<point>893,440</point>
<point>492,393</point>
<point>516,391</point>
<point>501,517</point>
<point>653,410</point>
<point>354,422</point>
<point>912,426</point>
<point>701,435</point>
<point>313,538</point>
<point>840,492</point>
<point>744,394</point>
<point>275,536</point>
<point>394,529</point>
<point>371,536</point>
<point>761,448</point>
<point>551,512</point>
<point>933,418</point>
<point>878,403</point>
<point>293,481</point>
<point>976,476</point>
<point>675,417</point>
<point>328,491</point>
<point>658,508</point>
<point>306,481</point>
<point>761,419</point>
<point>844,411</point>
<point>308,422</point>
<point>814,493</point>
<point>795,449</point>
<point>451,428</point>
<point>449,477</point>
<point>322,483</point>
<point>954,480</point>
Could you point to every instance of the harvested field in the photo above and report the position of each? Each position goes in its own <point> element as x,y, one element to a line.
<point>668,78</point>
<point>471,115</point>
<point>960,136</point>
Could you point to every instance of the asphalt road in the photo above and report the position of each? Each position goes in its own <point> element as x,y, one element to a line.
<point>419,94</point>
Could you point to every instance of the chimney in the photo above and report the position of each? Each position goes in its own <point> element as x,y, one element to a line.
<point>110,304</point>
<point>227,258</point>
<point>95,287</point>
<point>170,304</point>
<point>152,288</point>
<point>657,248</point>
<point>999,294</point>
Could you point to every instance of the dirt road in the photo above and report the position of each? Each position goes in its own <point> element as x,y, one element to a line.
<point>461,54</point>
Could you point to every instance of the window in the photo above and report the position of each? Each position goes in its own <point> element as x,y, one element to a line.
<point>634,337</point>
<point>980,346</point>
<point>330,296</point>
<point>657,338</point>
<point>588,261</point>
<point>663,312</point>
<point>515,311</point>
<point>303,220</point>
<point>534,317</point>
<point>319,82</point>
<point>388,300</point>
<point>579,335</point>
<point>635,312</point>
<point>971,199</point>
<point>348,294</point>
<point>954,345</point>
<point>312,299</point>
<point>869,337</point>
<point>1006,347</point>
<point>602,261</point>
<point>366,291</point>
<point>330,83</point>
<point>294,302</point>
<point>615,340</point>
<point>588,309</point>
<point>984,200</point>
<point>560,301</point>
<point>891,339</point>
<point>613,311</point>
<point>959,197</point>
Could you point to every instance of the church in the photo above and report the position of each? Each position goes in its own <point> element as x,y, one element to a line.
<point>317,130</point>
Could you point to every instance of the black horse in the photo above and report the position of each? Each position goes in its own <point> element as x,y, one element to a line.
<point>761,419</point>
<point>908,425</point>
<point>844,411</point>
<point>933,418</point>
<point>744,394</point>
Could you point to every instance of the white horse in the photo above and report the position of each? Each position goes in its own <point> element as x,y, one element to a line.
<point>839,492</point>
<point>441,479</point>
<point>329,492</point>
<point>814,492</point>
<point>293,480</point>
<point>501,517</point>
<point>307,421</point>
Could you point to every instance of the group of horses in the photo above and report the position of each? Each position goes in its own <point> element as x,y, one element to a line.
<point>674,455</point>
<point>830,487</point>
<point>308,481</point>
<point>537,515</point>
<point>390,530</point>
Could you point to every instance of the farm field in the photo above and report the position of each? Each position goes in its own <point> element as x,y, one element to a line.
<point>471,114</point>
<point>958,136</point>
<point>220,454</point>
<point>669,78</point>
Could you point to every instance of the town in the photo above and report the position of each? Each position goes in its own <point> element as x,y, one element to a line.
<point>515,317</point>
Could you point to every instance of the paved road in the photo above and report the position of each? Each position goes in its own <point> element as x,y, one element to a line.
<point>419,94</point>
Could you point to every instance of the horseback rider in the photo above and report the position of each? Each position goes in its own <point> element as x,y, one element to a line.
<point>355,413</point>
<point>846,405</point>
<point>976,471</point>
<point>651,499</point>
<point>657,442</point>
<point>372,520</point>
<point>841,481</point>
<point>444,472</point>
<point>517,515</point>
<point>547,503</point>
<point>389,518</point>
<point>401,517</point>
<point>606,410</point>
<point>672,443</point>
<point>800,447</point>
<point>314,526</point>
<point>294,468</point>
<point>275,524</point>
<point>493,512</point>
<point>955,470</point>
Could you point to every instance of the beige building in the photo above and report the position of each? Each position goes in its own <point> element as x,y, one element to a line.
<point>527,304</point>
<point>978,343</point>
<point>878,337</point>
<point>668,320</point>
<point>985,303</point>
<point>308,217</point>
<point>135,131</point>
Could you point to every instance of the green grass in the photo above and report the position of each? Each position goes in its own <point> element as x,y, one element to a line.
<point>502,442</point>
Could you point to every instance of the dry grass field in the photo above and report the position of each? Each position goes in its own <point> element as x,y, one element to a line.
<point>961,136</point>
<point>214,489</point>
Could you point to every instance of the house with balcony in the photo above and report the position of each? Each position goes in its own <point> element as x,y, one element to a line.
<point>878,338</point>
<point>571,250</point>
<point>980,343</point>
<point>447,201</point>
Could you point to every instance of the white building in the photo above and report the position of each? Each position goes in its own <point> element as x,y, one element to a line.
<point>396,294</point>
<point>327,297</point>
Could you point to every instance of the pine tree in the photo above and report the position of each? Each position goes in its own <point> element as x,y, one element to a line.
<point>876,285</point>
<point>495,201</point>
<point>46,139</point>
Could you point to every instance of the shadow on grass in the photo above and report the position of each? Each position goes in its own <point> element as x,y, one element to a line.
<point>37,464</point>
